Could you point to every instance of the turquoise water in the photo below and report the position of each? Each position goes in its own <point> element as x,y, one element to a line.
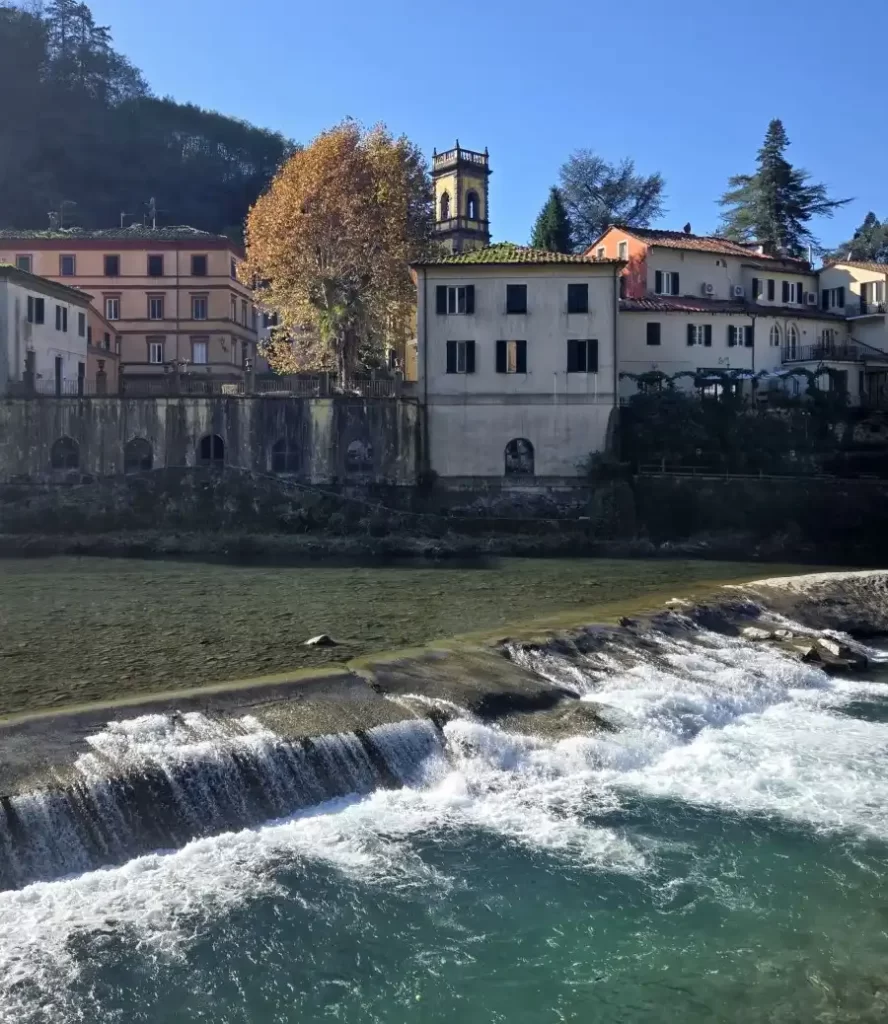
<point>721,858</point>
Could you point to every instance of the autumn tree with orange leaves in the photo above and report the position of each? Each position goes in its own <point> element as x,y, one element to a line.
<point>330,245</point>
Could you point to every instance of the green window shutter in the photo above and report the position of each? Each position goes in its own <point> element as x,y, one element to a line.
<point>730,336</point>
<point>749,336</point>
<point>653,332</point>
<point>470,357</point>
<point>451,357</point>
<point>755,288</point>
<point>592,355</point>
<point>691,334</point>
<point>841,297</point>
<point>658,282</point>
<point>707,335</point>
<point>501,357</point>
<point>573,356</point>
<point>521,356</point>
<point>676,288</point>
<point>470,299</point>
<point>441,299</point>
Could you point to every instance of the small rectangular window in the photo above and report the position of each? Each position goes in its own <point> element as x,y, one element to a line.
<point>112,266</point>
<point>623,251</point>
<point>81,325</point>
<point>459,299</point>
<point>155,350</point>
<point>460,356</point>
<point>653,333</point>
<point>199,307</point>
<point>799,293</point>
<point>233,309</point>
<point>155,307</point>
<point>578,298</point>
<point>666,282</point>
<point>36,309</point>
<point>244,312</point>
<point>511,357</point>
<point>198,266</point>
<point>61,317</point>
<point>112,307</point>
<point>516,298</point>
<point>25,263</point>
<point>771,289</point>
<point>700,334</point>
<point>155,266</point>
<point>199,348</point>
<point>582,355</point>
<point>784,292</point>
<point>67,266</point>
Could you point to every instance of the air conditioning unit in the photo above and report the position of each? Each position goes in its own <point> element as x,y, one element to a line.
<point>709,289</point>
<point>811,298</point>
<point>738,291</point>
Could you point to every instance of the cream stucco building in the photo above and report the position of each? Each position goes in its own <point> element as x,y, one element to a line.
<point>515,360</point>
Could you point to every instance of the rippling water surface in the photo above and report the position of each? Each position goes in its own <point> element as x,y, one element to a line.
<point>721,856</point>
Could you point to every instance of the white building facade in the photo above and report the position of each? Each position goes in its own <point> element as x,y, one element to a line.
<point>516,360</point>
<point>43,334</point>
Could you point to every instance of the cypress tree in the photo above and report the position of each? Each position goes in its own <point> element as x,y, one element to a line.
<point>774,205</point>
<point>552,228</point>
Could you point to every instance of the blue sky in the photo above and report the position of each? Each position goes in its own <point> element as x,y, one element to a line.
<point>685,87</point>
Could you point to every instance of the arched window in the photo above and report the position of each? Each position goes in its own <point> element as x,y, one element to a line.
<point>65,454</point>
<point>211,451</point>
<point>792,341</point>
<point>473,207</point>
<point>775,335</point>
<point>285,456</point>
<point>359,456</point>
<point>137,456</point>
<point>519,457</point>
<point>828,336</point>
<point>445,206</point>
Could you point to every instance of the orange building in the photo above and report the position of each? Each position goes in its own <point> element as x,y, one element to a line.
<point>170,295</point>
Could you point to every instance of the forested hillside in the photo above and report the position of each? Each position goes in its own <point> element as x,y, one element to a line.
<point>82,134</point>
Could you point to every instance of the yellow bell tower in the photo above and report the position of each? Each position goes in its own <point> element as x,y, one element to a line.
<point>461,189</point>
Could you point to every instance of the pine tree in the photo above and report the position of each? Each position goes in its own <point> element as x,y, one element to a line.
<point>870,242</point>
<point>552,228</point>
<point>774,205</point>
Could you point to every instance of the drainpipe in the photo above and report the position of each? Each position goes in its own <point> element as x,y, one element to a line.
<point>616,311</point>
<point>426,452</point>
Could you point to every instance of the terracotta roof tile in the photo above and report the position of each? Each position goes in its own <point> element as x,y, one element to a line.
<point>678,304</point>
<point>165,234</point>
<point>507,252</point>
<point>879,268</point>
<point>702,243</point>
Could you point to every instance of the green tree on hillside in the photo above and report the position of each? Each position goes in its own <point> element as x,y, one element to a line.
<point>774,205</point>
<point>552,228</point>
<point>870,242</point>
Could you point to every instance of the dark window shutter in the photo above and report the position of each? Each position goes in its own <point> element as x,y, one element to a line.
<point>824,299</point>
<point>731,336</point>
<point>501,357</point>
<point>707,335</point>
<point>592,356</point>
<point>441,298</point>
<point>676,290</point>
<point>470,298</point>
<point>470,357</point>
<point>573,356</point>
<point>653,333</point>
<point>521,356</point>
<point>785,291</point>
<point>800,298</point>
<point>451,357</point>
<point>841,297</point>
<point>749,337</point>
<point>771,289</point>
<point>658,282</point>
<point>755,288</point>
<point>30,309</point>
<point>691,334</point>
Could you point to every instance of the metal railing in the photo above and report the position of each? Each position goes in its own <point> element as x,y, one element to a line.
<point>821,352</point>
<point>864,308</point>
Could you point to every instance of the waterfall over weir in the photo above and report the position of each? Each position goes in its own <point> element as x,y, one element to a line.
<point>158,781</point>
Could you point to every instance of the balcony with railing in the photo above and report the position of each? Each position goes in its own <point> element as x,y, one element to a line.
<point>863,308</point>
<point>833,352</point>
<point>458,155</point>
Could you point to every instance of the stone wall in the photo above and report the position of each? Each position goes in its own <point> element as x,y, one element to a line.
<point>320,440</point>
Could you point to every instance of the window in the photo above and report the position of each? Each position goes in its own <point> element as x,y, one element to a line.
<point>254,318</point>
<point>460,356</point>
<point>199,348</point>
<point>112,266</point>
<point>155,350</point>
<point>827,336</point>
<point>112,307</point>
<point>67,266</point>
<point>775,336</point>
<point>799,293</point>
<point>61,318</point>
<point>285,456</point>
<point>137,456</point>
<point>24,263</point>
<point>155,307</point>
<point>601,252</point>
<point>582,355</point>
<point>473,206</point>
<point>269,320</point>
<point>445,206</point>
<point>792,340</point>
<point>452,299</point>
<point>211,451</point>
<point>516,298</point>
<point>233,310</point>
<point>106,341</point>
<point>832,298</point>
<point>771,289</point>
<point>233,269</point>
<point>738,336</point>
<point>666,282</point>
<point>65,454</point>
<point>81,325</point>
<point>784,292</point>
<point>511,357</point>
<point>700,334</point>
<point>198,266</point>
<point>623,251</point>
<point>244,312</point>
<point>155,266</point>
<point>36,309</point>
<point>578,298</point>
<point>653,333</point>
<point>519,457</point>
<point>199,307</point>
